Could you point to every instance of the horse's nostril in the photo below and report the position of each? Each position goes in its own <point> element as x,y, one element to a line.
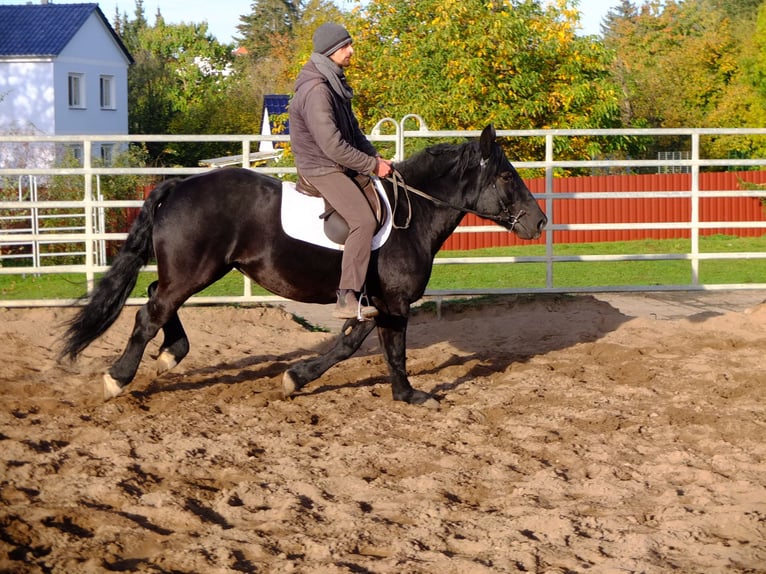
<point>543,222</point>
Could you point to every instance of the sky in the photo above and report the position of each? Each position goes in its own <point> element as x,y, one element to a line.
<point>223,16</point>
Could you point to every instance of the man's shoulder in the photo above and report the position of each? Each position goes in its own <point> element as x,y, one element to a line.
<point>309,80</point>
<point>310,73</point>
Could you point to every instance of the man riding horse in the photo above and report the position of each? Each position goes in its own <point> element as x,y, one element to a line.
<point>330,150</point>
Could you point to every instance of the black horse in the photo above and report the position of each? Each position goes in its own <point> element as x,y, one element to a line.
<point>201,227</point>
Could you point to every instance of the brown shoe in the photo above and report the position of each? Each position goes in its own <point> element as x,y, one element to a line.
<point>348,307</point>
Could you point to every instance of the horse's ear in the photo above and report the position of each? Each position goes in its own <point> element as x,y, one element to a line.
<point>486,141</point>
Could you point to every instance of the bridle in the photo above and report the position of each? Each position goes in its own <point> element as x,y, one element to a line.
<point>506,218</point>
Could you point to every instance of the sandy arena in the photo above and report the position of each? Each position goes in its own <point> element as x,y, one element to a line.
<point>576,434</point>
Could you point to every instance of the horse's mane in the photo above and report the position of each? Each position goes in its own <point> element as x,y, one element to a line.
<point>444,160</point>
<point>441,160</point>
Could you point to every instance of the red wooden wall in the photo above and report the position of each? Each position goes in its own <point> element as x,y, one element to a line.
<point>632,210</point>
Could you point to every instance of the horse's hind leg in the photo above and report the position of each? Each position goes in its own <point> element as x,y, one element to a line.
<point>350,339</point>
<point>175,346</point>
<point>149,319</point>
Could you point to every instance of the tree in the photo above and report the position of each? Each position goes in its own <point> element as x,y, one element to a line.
<point>740,10</point>
<point>177,84</point>
<point>462,64</point>
<point>744,101</point>
<point>673,62</point>
<point>185,82</point>
<point>682,63</point>
<point>268,20</point>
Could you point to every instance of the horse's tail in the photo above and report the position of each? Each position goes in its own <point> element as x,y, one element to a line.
<point>109,296</point>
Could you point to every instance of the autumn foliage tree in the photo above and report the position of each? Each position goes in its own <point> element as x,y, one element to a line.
<point>179,84</point>
<point>743,103</point>
<point>674,62</point>
<point>267,21</point>
<point>461,64</point>
<point>689,63</point>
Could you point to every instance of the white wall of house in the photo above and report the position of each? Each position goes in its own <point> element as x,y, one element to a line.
<point>92,54</point>
<point>27,107</point>
<point>27,96</point>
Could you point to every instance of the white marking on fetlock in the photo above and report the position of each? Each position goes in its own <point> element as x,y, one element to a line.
<point>432,404</point>
<point>111,387</point>
<point>165,362</point>
<point>288,384</point>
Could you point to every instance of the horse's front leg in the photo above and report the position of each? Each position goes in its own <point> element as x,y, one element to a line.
<point>392,333</point>
<point>350,339</point>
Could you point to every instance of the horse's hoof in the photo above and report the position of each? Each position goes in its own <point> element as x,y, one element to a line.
<point>111,387</point>
<point>431,403</point>
<point>423,399</point>
<point>289,386</point>
<point>165,362</point>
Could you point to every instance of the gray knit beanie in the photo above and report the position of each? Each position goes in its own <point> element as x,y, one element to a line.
<point>330,37</point>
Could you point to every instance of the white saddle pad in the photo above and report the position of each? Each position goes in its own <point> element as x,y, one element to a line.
<point>300,217</point>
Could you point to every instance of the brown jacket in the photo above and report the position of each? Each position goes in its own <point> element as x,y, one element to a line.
<point>324,133</point>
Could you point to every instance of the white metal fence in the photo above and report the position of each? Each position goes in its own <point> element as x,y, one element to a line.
<point>93,237</point>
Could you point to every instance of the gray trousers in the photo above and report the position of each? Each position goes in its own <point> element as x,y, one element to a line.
<point>349,201</point>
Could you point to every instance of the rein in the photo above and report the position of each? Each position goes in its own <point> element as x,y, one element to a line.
<point>397,181</point>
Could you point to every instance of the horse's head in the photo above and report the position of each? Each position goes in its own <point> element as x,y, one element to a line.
<point>505,198</point>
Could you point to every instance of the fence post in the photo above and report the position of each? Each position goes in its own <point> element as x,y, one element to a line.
<point>247,283</point>
<point>100,224</point>
<point>87,164</point>
<point>399,143</point>
<point>694,216</point>
<point>422,127</point>
<point>33,197</point>
<point>549,209</point>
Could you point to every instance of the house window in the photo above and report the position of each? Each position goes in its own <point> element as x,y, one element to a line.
<point>76,91</point>
<point>75,153</point>
<point>106,85</point>
<point>107,153</point>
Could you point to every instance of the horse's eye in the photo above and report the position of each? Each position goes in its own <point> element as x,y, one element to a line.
<point>506,176</point>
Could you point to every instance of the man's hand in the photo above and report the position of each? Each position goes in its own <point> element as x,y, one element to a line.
<point>384,167</point>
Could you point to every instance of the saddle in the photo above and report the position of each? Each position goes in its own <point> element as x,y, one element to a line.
<point>335,227</point>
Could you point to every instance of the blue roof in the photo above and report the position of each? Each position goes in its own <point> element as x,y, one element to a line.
<point>275,105</point>
<point>45,29</point>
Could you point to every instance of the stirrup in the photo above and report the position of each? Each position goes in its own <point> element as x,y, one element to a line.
<point>361,302</point>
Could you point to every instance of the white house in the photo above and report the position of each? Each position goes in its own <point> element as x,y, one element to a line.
<point>63,71</point>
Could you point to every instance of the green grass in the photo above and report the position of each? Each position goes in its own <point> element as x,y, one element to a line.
<point>495,276</point>
<point>73,285</point>
<point>606,273</point>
